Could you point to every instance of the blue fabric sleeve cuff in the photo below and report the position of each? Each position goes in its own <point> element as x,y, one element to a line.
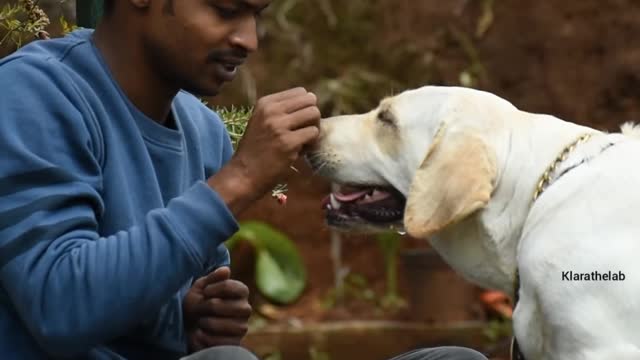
<point>203,220</point>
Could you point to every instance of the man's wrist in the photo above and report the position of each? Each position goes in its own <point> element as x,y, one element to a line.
<point>234,186</point>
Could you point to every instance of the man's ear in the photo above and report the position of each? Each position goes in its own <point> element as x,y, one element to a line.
<point>455,179</point>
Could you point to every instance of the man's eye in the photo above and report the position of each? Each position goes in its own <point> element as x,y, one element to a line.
<point>227,13</point>
<point>258,14</point>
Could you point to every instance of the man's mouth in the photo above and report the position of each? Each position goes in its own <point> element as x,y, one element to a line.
<point>379,206</point>
<point>227,69</point>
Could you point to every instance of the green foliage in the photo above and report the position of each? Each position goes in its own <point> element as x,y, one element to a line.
<point>280,273</point>
<point>486,19</point>
<point>21,20</point>
<point>356,287</point>
<point>315,354</point>
<point>498,329</point>
<point>389,243</point>
<point>275,356</point>
<point>66,26</point>
<point>235,119</point>
<point>349,93</point>
<point>351,54</point>
<point>326,45</point>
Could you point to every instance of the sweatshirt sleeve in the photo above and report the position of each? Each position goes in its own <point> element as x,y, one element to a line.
<point>72,288</point>
<point>222,257</point>
<point>218,150</point>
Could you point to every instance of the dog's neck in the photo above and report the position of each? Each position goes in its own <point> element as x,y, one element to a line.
<point>484,246</point>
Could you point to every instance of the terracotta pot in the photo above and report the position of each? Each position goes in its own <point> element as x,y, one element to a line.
<point>436,293</point>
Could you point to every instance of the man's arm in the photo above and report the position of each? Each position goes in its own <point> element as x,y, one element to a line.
<point>222,257</point>
<point>72,288</point>
<point>197,308</point>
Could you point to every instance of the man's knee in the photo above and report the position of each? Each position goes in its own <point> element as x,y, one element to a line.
<point>442,353</point>
<point>222,353</point>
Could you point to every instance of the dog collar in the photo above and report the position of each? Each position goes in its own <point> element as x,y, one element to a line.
<point>545,179</point>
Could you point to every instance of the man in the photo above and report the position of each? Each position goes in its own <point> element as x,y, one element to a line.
<point>118,187</point>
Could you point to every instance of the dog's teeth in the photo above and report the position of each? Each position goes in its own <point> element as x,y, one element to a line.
<point>335,204</point>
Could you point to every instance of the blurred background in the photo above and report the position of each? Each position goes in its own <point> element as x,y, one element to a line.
<point>324,295</point>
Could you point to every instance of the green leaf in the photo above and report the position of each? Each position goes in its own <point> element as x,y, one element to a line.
<point>389,242</point>
<point>280,272</point>
<point>271,278</point>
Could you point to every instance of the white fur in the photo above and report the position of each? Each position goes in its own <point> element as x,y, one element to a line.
<point>587,220</point>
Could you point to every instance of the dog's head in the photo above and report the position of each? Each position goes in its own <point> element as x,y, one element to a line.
<point>417,161</point>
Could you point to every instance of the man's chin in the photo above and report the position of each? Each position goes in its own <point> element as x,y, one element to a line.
<point>204,90</point>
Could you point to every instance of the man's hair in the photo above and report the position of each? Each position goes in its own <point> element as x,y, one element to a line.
<point>109,4</point>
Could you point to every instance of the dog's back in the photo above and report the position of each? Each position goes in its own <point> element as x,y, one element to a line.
<point>630,129</point>
<point>578,260</point>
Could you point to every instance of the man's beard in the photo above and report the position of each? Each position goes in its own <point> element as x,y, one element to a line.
<point>177,75</point>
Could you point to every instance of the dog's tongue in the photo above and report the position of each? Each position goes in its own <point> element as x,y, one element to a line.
<point>358,196</point>
<point>349,197</point>
<point>346,195</point>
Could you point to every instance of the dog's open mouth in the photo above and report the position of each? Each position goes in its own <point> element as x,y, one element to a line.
<point>363,204</point>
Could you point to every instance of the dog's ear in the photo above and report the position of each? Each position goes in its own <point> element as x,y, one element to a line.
<point>454,180</point>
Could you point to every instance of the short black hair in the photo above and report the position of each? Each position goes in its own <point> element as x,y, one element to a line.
<point>107,6</point>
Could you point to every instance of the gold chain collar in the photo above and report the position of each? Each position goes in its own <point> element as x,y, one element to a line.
<point>546,176</point>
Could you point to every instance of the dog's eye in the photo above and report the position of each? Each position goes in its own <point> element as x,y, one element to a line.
<point>386,117</point>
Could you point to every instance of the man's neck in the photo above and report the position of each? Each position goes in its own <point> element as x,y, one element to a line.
<point>124,55</point>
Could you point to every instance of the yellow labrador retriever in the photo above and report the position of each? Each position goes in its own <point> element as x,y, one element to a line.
<point>540,208</point>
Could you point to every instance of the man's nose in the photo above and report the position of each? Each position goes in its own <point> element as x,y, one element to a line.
<point>245,35</point>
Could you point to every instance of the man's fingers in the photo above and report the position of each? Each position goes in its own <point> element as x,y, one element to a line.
<point>227,289</point>
<point>305,136</point>
<point>309,116</point>
<point>280,96</point>
<point>223,326</point>
<point>195,344</point>
<point>239,309</point>
<point>300,102</point>
<point>220,274</point>
<point>212,340</point>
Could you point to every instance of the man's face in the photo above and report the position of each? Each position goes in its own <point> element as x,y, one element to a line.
<point>197,45</point>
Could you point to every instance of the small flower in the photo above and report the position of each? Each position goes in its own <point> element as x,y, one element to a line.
<point>279,194</point>
<point>282,199</point>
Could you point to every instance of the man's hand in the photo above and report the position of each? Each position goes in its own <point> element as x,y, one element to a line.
<point>216,311</point>
<point>281,125</point>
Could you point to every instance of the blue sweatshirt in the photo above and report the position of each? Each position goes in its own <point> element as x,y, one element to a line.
<point>105,215</point>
